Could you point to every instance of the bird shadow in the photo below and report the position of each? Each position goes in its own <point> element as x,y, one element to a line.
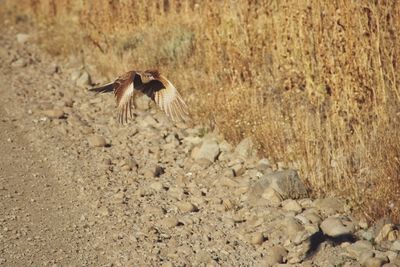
<point>319,237</point>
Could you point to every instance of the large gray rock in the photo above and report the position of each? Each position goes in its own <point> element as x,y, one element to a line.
<point>333,226</point>
<point>286,183</point>
<point>208,150</point>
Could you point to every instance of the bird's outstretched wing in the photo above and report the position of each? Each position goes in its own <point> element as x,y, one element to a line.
<point>160,90</point>
<point>123,91</point>
<point>167,97</point>
<point>123,88</point>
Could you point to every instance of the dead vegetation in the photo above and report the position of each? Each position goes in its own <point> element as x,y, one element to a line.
<point>316,84</point>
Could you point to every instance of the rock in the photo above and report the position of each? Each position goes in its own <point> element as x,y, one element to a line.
<point>148,121</point>
<point>395,246</point>
<point>391,255</point>
<point>390,265</point>
<point>356,249</point>
<point>286,183</point>
<point>269,194</point>
<point>170,222</point>
<point>128,165</point>
<point>208,150</point>
<point>333,226</point>
<point>277,254</point>
<point>263,165</point>
<point>19,63</point>
<point>373,262</point>
<point>293,227</point>
<point>185,207</point>
<point>224,146</point>
<point>238,169</point>
<point>297,254</point>
<point>228,182</point>
<point>75,75</point>
<point>367,235</point>
<point>84,80</point>
<point>97,141</point>
<point>142,102</point>
<point>257,238</point>
<point>365,256</point>
<point>192,140</point>
<point>330,206</point>
<point>292,205</point>
<point>22,38</point>
<point>245,148</point>
<point>176,192</point>
<point>312,215</point>
<point>159,170</point>
<point>157,186</point>
<point>52,68</point>
<point>55,113</point>
<point>385,232</point>
<point>396,261</point>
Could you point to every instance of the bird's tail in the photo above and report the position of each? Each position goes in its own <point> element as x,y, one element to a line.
<point>107,88</point>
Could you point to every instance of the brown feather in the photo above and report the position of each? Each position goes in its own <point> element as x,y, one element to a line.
<point>152,84</point>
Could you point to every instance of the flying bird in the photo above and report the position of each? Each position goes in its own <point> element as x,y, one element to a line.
<point>150,83</point>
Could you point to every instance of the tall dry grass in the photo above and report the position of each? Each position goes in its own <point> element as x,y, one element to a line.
<point>315,83</point>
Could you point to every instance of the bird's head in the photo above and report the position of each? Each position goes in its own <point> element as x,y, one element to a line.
<point>149,75</point>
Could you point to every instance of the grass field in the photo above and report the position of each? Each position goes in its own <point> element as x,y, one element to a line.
<point>314,83</point>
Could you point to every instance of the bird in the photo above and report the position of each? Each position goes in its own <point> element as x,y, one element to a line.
<point>151,83</point>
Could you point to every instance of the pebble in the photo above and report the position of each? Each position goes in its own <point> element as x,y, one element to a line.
<point>170,222</point>
<point>238,169</point>
<point>157,186</point>
<point>19,63</point>
<point>128,164</point>
<point>257,238</point>
<point>97,141</point>
<point>22,38</point>
<point>186,207</point>
<point>75,75</point>
<point>277,254</point>
<point>84,80</point>
<point>55,113</point>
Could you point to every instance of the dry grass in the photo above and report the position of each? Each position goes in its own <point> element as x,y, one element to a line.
<point>315,83</point>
